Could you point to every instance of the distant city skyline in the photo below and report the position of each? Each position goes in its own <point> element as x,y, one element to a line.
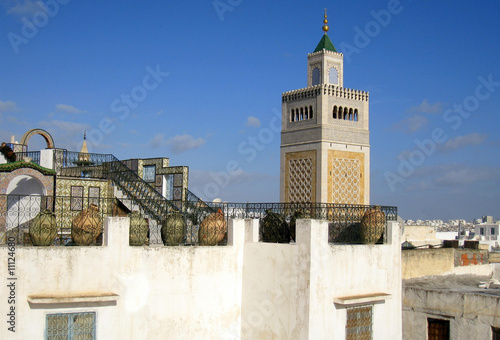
<point>201,83</point>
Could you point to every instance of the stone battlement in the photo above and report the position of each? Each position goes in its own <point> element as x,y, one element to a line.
<point>326,89</point>
<point>325,51</point>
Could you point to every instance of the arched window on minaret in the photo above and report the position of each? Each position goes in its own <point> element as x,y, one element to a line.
<point>350,114</point>
<point>333,76</point>
<point>346,112</point>
<point>356,115</point>
<point>334,112</point>
<point>306,113</point>
<point>301,113</point>
<point>292,116</point>
<point>310,112</point>
<point>341,112</point>
<point>315,76</point>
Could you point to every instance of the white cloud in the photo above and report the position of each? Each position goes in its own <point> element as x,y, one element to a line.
<point>426,107</point>
<point>68,135</point>
<point>15,120</point>
<point>253,122</point>
<point>464,141</point>
<point>411,124</point>
<point>8,106</point>
<point>177,144</point>
<point>26,7</point>
<point>183,143</point>
<point>463,175</point>
<point>68,109</point>
<point>157,141</point>
<point>450,175</point>
<point>70,128</point>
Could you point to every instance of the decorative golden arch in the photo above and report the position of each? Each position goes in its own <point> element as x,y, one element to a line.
<point>43,133</point>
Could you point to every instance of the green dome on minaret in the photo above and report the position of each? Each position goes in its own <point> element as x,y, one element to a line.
<point>325,43</point>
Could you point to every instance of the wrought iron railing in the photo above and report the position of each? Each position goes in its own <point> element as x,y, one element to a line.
<point>22,219</point>
<point>91,165</point>
<point>345,221</point>
<point>33,155</point>
<point>199,223</point>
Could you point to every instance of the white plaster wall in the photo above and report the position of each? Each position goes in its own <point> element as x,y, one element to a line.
<point>246,290</point>
<point>164,292</point>
<point>347,270</point>
<point>445,235</point>
<point>305,278</point>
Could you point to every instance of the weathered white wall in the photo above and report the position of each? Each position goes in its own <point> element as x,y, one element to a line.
<point>289,289</point>
<point>246,290</point>
<point>471,316</point>
<point>164,292</point>
<point>420,235</point>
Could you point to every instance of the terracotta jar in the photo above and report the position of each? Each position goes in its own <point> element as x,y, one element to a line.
<point>173,229</point>
<point>212,229</point>
<point>139,229</point>
<point>372,225</point>
<point>43,228</point>
<point>86,226</point>
<point>275,228</point>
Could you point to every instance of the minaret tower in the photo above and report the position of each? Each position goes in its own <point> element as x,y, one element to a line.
<point>325,145</point>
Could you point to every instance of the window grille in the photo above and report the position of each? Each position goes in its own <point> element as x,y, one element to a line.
<point>438,329</point>
<point>71,326</point>
<point>359,323</point>
<point>76,198</point>
<point>495,333</point>
<point>94,194</point>
<point>149,173</point>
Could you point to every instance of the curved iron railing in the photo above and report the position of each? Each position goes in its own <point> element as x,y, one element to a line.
<point>344,219</point>
<point>34,155</point>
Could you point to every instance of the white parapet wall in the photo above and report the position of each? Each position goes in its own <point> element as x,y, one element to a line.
<point>245,290</point>
<point>303,290</point>
<point>137,292</point>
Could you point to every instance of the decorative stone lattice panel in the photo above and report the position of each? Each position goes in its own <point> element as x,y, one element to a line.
<point>346,177</point>
<point>94,194</point>
<point>300,180</point>
<point>76,198</point>
<point>346,181</point>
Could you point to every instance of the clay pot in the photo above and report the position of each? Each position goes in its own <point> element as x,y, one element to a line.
<point>173,229</point>
<point>274,228</point>
<point>212,229</point>
<point>86,226</point>
<point>139,229</point>
<point>43,228</point>
<point>372,225</point>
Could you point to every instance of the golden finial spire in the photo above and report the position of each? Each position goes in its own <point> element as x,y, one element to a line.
<point>84,134</point>
<point>325,26</point>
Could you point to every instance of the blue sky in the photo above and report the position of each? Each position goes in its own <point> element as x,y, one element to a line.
<point>200,82</point>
